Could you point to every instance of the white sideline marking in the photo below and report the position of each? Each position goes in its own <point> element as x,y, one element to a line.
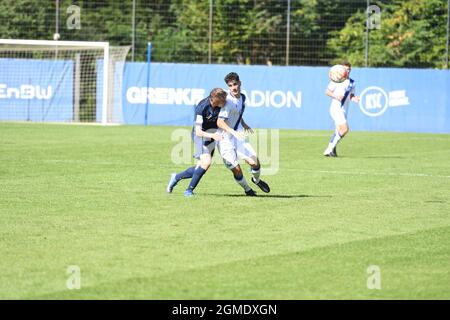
<point>99,124</point>
<point>378,174</point>
<point>169,165</point>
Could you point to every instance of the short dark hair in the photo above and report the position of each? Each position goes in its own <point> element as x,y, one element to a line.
<point>232,76</point>
<point>218,94</point>
<point>346,63</point>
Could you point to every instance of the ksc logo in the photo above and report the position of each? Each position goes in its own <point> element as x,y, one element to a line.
<point>375,101</point>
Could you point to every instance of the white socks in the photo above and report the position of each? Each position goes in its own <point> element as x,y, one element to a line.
<point>333,142</point>
<point>243,183</point>
<point>256,174</point>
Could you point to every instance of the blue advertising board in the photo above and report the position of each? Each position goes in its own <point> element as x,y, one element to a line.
<point>404,100</point>
<point>36,90</point>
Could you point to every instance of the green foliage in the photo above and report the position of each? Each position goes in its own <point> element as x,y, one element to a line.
<point>314,23</point>
<point>413,33</point>
<point>187,40</point>
<point>17,17</point>
<point>237,28</point>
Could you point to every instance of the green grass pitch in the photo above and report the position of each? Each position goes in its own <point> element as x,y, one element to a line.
<point>95,197</point>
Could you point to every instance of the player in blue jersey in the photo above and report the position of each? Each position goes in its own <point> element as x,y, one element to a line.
<point>234,145</point>
<point>204,136</point>
<point>341,94</point>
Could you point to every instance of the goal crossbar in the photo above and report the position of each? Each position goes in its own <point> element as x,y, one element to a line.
<point>54,43</point>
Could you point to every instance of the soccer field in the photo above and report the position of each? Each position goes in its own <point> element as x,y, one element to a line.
<point>94,197</point>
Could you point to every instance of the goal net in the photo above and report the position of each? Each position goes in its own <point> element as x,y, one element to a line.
<point>61,81</point>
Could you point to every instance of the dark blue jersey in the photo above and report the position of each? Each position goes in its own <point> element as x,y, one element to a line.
<point>206,115</point>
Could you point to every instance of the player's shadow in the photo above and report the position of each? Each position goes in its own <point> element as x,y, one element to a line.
<point>264,195</point>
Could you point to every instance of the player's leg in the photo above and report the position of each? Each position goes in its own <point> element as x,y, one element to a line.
<point>256,172</point>
<point>240,180</point>
<point>189,172</point>
<point>176,177</point>
<point>341,130</point>
<point>246,152</point>
<point>205,160</point>
<point>228,153</point>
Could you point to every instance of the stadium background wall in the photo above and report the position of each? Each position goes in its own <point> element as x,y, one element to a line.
<point>399,100</point>
<point>402,100</point>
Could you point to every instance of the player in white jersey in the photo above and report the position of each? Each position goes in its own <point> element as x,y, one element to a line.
<point>234,144</point>
<point>341,94</point>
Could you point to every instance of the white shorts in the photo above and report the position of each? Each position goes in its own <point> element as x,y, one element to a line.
<point>203,146</point>
<point>232,150</point>
<point>338,114</point>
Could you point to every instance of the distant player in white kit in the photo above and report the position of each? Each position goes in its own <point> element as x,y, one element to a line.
<point>341,94</point>
<point>234,145</point>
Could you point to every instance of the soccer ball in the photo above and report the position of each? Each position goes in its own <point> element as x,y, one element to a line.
<point>338,73</point>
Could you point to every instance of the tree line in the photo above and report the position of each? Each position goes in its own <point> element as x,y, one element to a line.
<point>321,32</point>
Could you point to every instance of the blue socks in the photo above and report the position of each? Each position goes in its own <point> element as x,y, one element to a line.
<point>186,174</point>
<point>198,174</point>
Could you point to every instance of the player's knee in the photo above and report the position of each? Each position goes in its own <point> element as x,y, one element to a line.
<point>237,171</point>
<point>205,163</point>
<point>346,130</point>
<point>343,130</point>
<point>252,162</point>
<point>255,164</point>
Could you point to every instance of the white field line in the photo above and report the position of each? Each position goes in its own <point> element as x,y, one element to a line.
<point>98,124</point>
<point>395,174</point>
<point>170,165</point>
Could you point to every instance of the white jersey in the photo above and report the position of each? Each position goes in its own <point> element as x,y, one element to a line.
<point>232,111</point>
<point>344,89</point>
<point>230,148</point>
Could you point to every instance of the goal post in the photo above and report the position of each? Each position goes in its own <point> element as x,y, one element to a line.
<point>61,81</point>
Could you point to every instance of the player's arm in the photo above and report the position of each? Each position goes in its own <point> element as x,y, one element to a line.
<point>200,133</point>
<point>330,92</point>
<point>332,95</point>
<point>246,126</point>
<point>223,125</point>
<point>223,115</point>
<point>354,97</point>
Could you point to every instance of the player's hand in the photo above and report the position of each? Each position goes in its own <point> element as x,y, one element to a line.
<point>355,99</point>
<point>248,130</point>
<point>217,136</point>
<point>339,98</point>
<point>239,135</point>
